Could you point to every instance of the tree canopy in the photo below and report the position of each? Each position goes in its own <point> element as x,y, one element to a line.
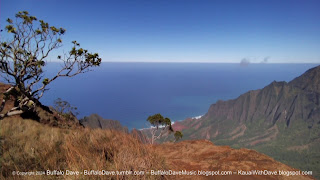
<point>158,120</point>
<point>161,126</point>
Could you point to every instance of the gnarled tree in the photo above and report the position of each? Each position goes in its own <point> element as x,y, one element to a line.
<point>23,57</point>
<point>160,126</point>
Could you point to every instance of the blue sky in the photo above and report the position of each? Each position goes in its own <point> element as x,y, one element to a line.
<point>184,30</point>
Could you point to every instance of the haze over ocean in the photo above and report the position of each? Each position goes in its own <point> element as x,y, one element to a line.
<point>130,92</point>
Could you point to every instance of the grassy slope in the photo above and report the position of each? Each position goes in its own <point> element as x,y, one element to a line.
<point>29,146</point>
<point>298,149</point>
<point>204,155</point>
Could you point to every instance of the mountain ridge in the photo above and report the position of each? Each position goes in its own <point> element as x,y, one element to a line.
<point>277,118</point>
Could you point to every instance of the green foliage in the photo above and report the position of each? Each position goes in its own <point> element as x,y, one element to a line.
<point>167,121</point>
<point>11,29</point>
<point>27,19</point>
<point>178,135</point>
<point>158,120</point>
<point>155,120</point>
<point>45,81</point>
<point>9,21</point>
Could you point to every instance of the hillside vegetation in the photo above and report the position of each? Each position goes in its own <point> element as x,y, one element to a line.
<point>27,145</point>
<point>203,155</point>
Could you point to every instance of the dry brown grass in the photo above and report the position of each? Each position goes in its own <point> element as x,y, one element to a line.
<point>30,146</point>
<point>26,145</point>
<point>204,155</point>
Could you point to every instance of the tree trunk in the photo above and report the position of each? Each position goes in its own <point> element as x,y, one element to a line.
<point>5,97</point>
<point>22,104</point>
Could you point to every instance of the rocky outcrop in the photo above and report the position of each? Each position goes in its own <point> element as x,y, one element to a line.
<point>96,121</point>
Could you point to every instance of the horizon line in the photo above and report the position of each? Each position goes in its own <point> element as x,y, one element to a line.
<point>201,62</point>
<point>205,62</point>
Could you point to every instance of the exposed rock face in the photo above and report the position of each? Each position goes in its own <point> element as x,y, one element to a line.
<point>278,101</point>
<point>96,121</point>
<point>274,120</point>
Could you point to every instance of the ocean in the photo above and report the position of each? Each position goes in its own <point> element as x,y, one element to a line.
<point>130,92</point>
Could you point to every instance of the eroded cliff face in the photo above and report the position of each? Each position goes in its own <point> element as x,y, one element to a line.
<point>281,120</point>
<point>278,104</point>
